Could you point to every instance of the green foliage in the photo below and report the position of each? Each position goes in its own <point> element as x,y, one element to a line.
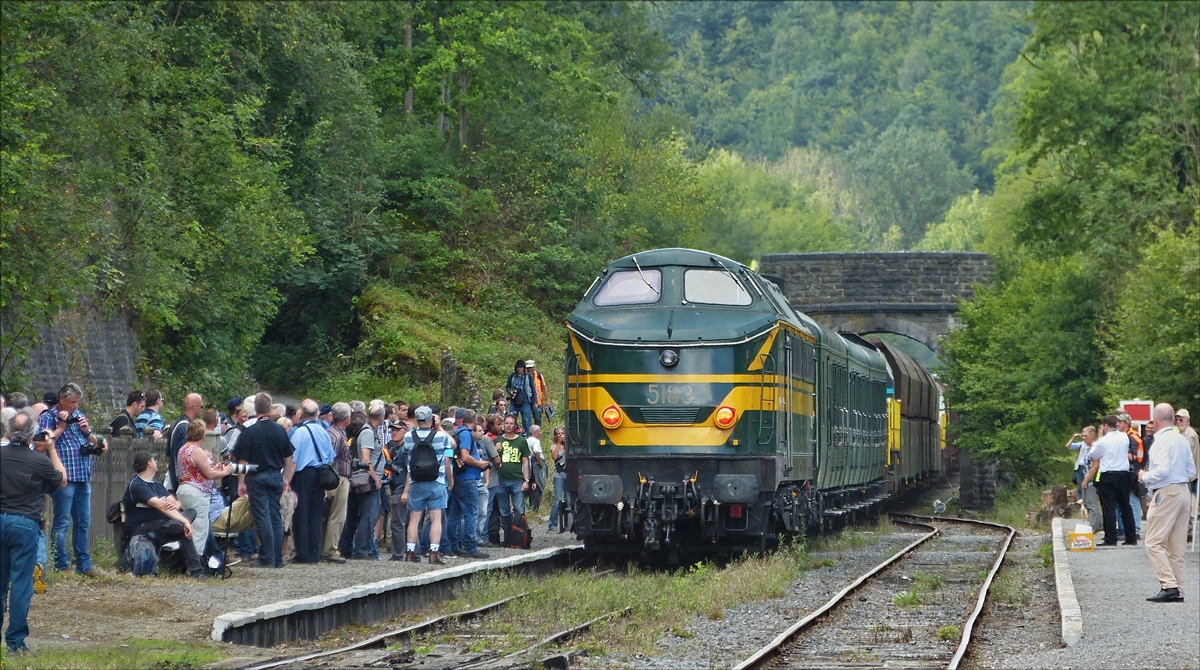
<point>949,633</point>
<point>132,654</point>
<point>908,599</point>
<point>1045,554</point>
<point>1153,347</point>
<point>1026,366</point>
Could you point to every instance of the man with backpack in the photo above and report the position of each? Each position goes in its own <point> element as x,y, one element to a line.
<point>463,512</point>
<point>152,512</point>
<point>428,453</point>
<point>134,404</point>
<point>515,477</point>
<point>522,393</point>
<point>193,407</point>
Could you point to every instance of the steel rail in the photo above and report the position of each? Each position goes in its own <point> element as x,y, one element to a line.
<point>382,638</point>
<point>761,657</point>
<point>556,637</point>
<point>969,627</point>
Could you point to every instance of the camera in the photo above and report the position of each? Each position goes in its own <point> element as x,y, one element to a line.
<point>71,419</point>
<point>89,449</point>
<point>244,468</point>
<point>359,465</point>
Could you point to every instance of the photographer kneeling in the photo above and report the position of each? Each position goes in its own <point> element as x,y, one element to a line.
<point>153,512</point>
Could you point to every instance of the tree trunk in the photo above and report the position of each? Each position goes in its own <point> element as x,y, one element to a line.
<point>462,110</point>
<point>408,47</point>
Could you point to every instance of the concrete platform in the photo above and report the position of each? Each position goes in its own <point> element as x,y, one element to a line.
<point>1116,627</point>
<point>307,618</point>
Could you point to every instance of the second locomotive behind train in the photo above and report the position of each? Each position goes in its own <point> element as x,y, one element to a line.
<point>704,414</point>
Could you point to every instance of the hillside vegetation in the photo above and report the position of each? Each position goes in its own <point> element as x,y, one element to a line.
<point>321,197</point>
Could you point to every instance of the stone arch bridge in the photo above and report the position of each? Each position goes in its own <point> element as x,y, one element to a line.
<point>910,293</point>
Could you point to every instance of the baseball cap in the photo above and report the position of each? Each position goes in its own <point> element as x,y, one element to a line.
<point>529,364</point>
<point>325,408</point>
<point>233,404</point>
<point>1184,414</point>
<point>1122,416</point>
<point>423,413</point>
<point>447,423</point>
<point>399,425</point>
<point>461,413</point>
<point>140,460</point>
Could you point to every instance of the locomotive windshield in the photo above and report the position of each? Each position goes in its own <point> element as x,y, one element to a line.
<point>714,287</point>
<point>630,287</point>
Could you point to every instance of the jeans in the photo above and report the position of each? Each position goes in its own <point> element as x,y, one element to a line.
<point>18,553</point>
<point>265,489</point>
<point>358,539</point>
<point>246,544</point>
<point>1135,502</point>
<point>72,507</point>
<point>1114,494</point>
<point>560,497</point>
<point>526,412</point>
<point>463,515</point>
<point>512,501</point>
<point>481,522</point>
<point>309,515</point>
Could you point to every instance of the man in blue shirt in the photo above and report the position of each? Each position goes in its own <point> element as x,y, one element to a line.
<point>522,393</point>
<point>313,448</point>
<point>74,441</point>
<point>463,511</point>
<point>150,422</point>
<point>423,493</point>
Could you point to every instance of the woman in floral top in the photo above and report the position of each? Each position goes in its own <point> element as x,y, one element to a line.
<point>196,481</point>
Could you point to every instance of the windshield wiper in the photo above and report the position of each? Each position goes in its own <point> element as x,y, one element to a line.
<point>643,276</point>
<point>741,289</point>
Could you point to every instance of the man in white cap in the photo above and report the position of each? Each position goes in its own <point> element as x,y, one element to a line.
<point>1183,422</point>
<point>428,452</point>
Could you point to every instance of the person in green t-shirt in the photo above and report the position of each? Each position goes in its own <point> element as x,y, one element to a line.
<point>513,467</point>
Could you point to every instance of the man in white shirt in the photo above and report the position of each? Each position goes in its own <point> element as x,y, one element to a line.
<point>1110,460</point>
<point>1166,478</point>
<point>1083,441</point>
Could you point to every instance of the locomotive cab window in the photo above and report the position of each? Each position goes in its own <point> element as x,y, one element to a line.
<point>714,287</point>
<point>630,287</point>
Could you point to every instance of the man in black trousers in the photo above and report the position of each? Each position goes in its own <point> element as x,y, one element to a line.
<point>1110,460</point>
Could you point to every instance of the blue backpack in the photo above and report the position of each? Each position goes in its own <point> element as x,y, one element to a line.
<point>142,556</point>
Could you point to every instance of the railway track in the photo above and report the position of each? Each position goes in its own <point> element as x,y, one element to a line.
<point>472,652</point>
<point>904,612</point>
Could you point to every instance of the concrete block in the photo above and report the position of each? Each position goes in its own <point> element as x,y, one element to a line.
<point>1068,604</point>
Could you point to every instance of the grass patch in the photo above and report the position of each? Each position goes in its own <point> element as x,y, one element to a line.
<point>1046,553</point>
<point>908,599</point>
<point>133,654</point>
<point>1009,588</point>
<point>927,581</point>
<point>403,337</point>
<point>662,602</point>
<point>949,633</point>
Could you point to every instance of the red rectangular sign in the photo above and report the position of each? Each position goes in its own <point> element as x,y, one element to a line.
<point>1138,410</point>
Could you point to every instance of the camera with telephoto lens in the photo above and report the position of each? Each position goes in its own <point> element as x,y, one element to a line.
<point>244,468</point>
<point>359,465</point>
<point>89,449</point>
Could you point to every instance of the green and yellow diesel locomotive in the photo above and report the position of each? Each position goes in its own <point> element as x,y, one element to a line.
<point>704,414</point>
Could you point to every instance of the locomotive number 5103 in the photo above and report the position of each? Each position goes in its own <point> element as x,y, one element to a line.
<point>669,394</point>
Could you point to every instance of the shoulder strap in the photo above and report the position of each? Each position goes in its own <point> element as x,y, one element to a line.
<point>316,447</point>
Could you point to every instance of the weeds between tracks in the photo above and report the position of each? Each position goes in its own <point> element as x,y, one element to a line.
<point>663,602</point>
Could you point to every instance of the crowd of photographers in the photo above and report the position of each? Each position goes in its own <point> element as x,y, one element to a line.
<point>267,484</point>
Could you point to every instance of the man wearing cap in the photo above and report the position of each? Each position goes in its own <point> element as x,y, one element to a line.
<point>398,521</point>
<point>237,419</point>
<point>540,390</point>
<point>1183,422</point>
<point>1137,455</point>
<point>1171,468</point>
<point>522,393</point>
<point>430,496</point>
<point>463,510</point>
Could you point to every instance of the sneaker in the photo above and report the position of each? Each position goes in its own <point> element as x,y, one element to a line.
<point>333,559</point>
<point>233,561</point>
<point>94,573</point>
<point>39,586</point>
<point>435,558</point>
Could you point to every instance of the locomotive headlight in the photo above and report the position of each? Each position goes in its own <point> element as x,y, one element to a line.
<point>668,358</point>
<point>611,417</point>
<point>724,416</point>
